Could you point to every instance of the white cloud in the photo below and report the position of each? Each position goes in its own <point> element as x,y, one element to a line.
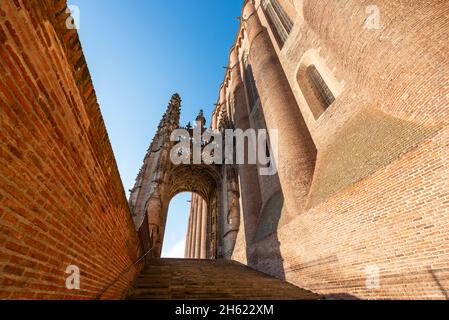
<point>176,250</point>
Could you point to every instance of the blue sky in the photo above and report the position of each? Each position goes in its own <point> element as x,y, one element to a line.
<point>139,53</point>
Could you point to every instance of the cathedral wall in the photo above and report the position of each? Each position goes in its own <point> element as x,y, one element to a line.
<point>379,197</point>
<point>62,202</point>
<point>395,221</point>
<point>395,70</point>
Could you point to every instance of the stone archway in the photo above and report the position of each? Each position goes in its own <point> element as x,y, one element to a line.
<point>159,180</point>
<point>202,180</point>
<point>199,179</point>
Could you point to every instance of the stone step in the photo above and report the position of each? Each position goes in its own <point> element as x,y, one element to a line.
<point>187,279</point>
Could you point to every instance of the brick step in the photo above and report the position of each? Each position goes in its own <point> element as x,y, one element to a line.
<point>165,279</point>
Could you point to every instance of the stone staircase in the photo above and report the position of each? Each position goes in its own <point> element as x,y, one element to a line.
<point>186,279</point>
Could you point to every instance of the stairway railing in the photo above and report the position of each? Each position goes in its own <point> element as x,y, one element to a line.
<point>145,242</point>
<point>124,272</point>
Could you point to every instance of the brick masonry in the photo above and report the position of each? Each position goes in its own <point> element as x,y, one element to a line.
<point>379,196</point>
<point>365,185</point>
<point>61,198</point>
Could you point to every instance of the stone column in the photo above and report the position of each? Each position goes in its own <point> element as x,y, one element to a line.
<point>154,212</point>
<point>194,224</point>
<point>189,231</point>
<point>186,247</point>
<point>199,213</point>
<point>204,231</point>
<point>296,149</point>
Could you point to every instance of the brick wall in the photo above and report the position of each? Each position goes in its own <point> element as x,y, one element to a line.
<point>61,198</point>
<point>396,220</point>
<point>380,192</point>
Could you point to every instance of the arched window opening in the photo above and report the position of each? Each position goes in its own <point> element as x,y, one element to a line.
<point>250,84</point>
<point>279,21</point>
<point>315,90</point>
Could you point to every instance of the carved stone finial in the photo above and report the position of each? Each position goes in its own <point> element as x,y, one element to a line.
<point>175,100</point>
<point>201,118</point>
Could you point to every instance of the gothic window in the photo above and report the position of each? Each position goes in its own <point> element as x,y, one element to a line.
<point>250,84</point>
<point>280,22</point>
<point>317,93</point>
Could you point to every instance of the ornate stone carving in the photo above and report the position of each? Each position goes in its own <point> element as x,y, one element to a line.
<point>160,180</point>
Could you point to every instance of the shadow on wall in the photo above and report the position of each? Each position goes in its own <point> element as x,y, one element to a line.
<point>437,281</point>
<point>264,253</point>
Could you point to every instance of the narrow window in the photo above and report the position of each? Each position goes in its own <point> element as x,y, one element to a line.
<point>250,83</point>
<point>287,23</point>
<point>280,22</point>
<point>322,91</point>
<point>318,95</point>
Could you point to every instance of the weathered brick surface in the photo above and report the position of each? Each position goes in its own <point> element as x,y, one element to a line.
<point>367,183</point>
<point>61,197</point>
<point>380,190</point>
<point>397,219</point>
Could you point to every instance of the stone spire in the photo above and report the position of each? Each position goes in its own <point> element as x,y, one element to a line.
<point>168,123</point>
<point>200,118</point>
<point>170,119</point>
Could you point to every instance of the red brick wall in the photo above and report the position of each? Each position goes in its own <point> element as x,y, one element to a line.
<point>61,198</point>
<point>397,220</point>
<point>391,208</point>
